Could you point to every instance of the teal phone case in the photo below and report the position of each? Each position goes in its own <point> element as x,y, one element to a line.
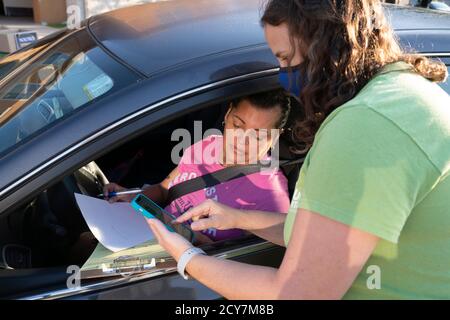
<point>149,215</point>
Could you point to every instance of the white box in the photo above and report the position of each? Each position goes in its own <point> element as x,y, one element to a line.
<point>15,39</point>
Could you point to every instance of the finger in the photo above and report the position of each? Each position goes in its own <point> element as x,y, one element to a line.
<point>113,199</point>
<point>154,230</point>
<point>159,226</point>
<point>199,211</point>
<point>107,189</point>
<point>203,224</point>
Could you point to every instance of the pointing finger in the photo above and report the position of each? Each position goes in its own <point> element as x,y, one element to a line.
<point>194,213</point>
<point>202,224</point>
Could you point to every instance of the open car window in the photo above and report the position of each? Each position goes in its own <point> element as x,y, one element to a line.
<point>130,164</point>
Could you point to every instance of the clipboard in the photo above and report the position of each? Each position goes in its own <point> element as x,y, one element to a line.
<point>139,259</point>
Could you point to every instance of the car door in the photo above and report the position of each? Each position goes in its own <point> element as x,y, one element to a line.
<point>162,281</point>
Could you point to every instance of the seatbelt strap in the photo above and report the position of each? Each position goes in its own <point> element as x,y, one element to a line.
<point>214,178</point>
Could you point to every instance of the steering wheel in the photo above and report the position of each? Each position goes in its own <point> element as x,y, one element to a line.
<point>54,223</point>
<point>88,180</point>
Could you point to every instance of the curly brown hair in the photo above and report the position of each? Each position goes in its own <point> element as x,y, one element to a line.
<point>344,43</point>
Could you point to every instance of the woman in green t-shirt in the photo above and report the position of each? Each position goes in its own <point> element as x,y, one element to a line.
<point>369,217</point>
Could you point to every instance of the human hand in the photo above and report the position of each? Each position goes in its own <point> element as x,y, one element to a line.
<point>172,242</point>
<point>114,187</point>
<point>211,214</point>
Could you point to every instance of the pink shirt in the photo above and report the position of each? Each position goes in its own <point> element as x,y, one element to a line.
<point>258,191</point>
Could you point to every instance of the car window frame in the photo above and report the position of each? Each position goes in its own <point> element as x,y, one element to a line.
<point>186,102</point>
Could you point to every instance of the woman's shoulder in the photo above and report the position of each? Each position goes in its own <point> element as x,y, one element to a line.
<point>365,136</point>
<point>399,89</point>
<point>396,103</point>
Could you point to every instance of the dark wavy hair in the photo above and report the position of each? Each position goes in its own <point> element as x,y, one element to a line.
<point>268,100</point>
<point>344,43</point>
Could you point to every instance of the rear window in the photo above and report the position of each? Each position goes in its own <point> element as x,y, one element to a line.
<point>14,60</point>
<point>67,77</point>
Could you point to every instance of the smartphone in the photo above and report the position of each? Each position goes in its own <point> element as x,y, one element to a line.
<point>151,210</point>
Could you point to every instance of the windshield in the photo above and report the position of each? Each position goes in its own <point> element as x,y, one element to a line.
<point>69,76</point>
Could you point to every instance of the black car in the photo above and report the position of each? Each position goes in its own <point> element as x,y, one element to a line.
<point>99,103</point>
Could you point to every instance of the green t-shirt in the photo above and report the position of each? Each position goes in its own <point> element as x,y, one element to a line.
<point>381,163</point>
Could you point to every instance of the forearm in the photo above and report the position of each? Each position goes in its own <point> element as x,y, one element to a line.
<point>156,193</point>
<point>273,234</point>
<point>234,280</point>
<point>266,225</point>
<point>159,192</point>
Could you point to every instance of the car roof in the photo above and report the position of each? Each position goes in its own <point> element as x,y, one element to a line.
<point>155,36</point>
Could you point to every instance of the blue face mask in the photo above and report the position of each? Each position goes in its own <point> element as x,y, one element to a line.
<point>292,81</point>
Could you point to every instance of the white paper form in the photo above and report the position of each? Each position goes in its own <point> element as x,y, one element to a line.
<point>117,226</point>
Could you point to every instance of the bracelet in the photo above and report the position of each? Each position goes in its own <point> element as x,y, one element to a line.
<point>185,258</point>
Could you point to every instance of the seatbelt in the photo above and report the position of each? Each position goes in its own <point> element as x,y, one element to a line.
<point>214,178</point>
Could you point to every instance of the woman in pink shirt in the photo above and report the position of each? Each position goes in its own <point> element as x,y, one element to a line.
<point>254,117</point>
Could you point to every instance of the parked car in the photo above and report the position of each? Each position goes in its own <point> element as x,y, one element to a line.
<point>435,5</point>
<point>99,103</point>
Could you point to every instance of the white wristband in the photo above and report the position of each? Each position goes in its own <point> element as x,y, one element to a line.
<point>185,258</point>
